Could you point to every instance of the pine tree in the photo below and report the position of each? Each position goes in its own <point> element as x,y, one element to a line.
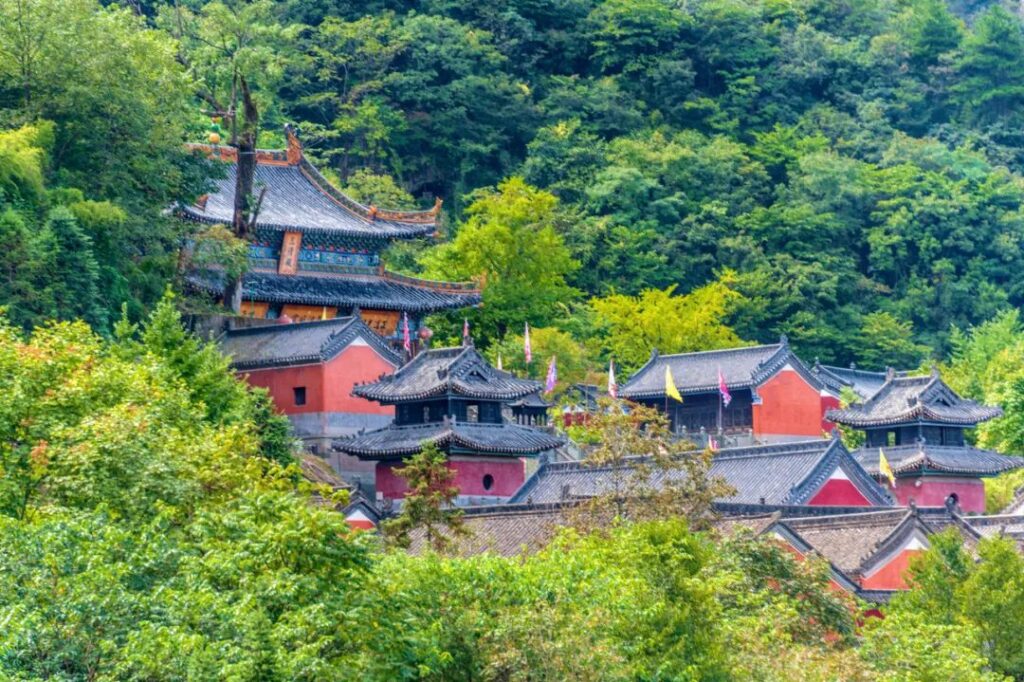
<point>429,502</point>
<point>67,271</point>
<point>991,70</point>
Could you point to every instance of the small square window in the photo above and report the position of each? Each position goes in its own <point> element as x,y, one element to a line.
<point>300,395</point>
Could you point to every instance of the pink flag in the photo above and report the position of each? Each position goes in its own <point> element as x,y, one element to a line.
<point>527,351</point>
<point>713,444</point>
<point>465,328</point>
<point>723,389</point>
<point>406,341</point>
<point>613,388</point>
<point>552,376</point>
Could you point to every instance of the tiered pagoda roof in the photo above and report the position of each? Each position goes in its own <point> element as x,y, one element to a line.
<point>459,371</point>
<point>455,373</point>
<point>779,474</point>
<point>303,343</point>
<point>903,400</point>
<point>453,437</point>
<point>336,259</point>
<point>693,373</point>
<point>296,197</point>
<point>952,460</point>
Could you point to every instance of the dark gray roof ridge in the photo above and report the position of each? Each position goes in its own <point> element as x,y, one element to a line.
<point>328,337</point>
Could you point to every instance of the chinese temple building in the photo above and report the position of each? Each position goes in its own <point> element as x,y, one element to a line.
<point>310,369</point>
<point>817,473</point>
<point>453,398</point>
<point>315,253</point>
<point>919,423</point>
<point>864,383</point>
<point>872,549</point>
<point>774,396</point>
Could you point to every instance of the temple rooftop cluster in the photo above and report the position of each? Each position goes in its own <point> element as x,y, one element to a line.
<point>340,344</point>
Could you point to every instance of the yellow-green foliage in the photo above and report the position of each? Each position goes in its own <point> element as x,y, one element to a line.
<point>631,326</point>
<point>22,159</point>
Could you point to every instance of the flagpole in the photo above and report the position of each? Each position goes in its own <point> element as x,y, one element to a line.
<point>720,401</point>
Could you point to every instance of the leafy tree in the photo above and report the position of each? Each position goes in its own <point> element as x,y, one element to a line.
<point>546,342</point>
<point>991,68</point>
<point>428,505</point>
<point>69,274</point>
<point>905,647</point>
<point>650,475</point>
<point>887,342</point>
<point>509,244</point>
<point>629,327</point>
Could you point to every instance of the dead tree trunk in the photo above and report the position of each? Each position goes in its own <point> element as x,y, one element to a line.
<point>245,174</point>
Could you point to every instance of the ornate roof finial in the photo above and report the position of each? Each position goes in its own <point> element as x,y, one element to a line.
<point>890,373</point>
<point>783,340</point>
<point>294,150</point>
<point>935,369</point>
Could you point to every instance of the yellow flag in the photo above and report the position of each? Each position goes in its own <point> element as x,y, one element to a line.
<point>883,466</point>
<point>323,315</point>
<point>670,386</point>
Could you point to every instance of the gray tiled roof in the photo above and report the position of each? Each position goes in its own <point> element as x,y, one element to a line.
<point>947,459</point>
<point>298,198</point>
<point>995,525</point>
<point>505,530</point>
<point>488,439</point>
<point>864,383</point>
<point>341,290</point>
<point>853,542</point>
<point>786,474</point>
<point>847,541</point>
<point>460,371</point>
<point>698,372</point>
<point>531,400</point>
<point>909,399</point>
<point>299,343</point>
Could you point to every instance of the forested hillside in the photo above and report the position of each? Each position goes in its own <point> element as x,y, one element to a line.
<point>621,175</point>
<point>848,174</point>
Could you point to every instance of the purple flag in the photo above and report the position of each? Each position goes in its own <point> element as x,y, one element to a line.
<point>723,389</point>
<point>552,376</point>
<point>406,341</point>
<point>527,351</point>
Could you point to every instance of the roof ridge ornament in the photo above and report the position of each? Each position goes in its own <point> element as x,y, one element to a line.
<point>783,340</point>
<point>294,150</point>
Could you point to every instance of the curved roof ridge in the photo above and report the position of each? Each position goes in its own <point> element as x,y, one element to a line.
<point>734,349</point>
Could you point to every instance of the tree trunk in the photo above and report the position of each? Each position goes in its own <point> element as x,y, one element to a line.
<point>244,180</point>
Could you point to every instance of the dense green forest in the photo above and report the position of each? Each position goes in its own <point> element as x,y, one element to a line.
<point>619,174</point>
<point>849,174</point>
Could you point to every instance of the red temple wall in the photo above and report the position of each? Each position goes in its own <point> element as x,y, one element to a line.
<point>933,492</point>
<point>891,576</point>
<point>839,493</point>
<point>789,407</point>
<point>508,473</point>
<point>328,386</point>
<point>281,381</point>
<point>355,364</point>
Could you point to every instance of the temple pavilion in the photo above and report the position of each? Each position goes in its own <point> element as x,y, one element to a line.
<point>315,253</point>
<point>453,398</point>
<point>918,422</point>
